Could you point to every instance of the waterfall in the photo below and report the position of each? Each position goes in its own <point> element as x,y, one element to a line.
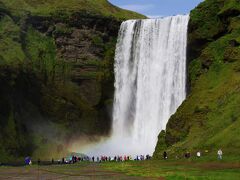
<point>150,82</point>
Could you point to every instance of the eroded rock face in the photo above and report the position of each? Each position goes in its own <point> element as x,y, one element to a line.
<point>83,43</point>
<point>80,39</point>
<point>71,59</point>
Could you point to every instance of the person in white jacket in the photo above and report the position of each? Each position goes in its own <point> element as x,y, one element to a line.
<point>220,153</point>
<point>198,154</point>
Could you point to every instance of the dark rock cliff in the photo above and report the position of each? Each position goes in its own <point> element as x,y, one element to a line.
<point>56,76</point>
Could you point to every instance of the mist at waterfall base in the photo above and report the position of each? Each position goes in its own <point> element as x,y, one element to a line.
<point>150,84</point>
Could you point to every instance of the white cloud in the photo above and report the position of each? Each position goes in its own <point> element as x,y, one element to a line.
<point>137,7</point>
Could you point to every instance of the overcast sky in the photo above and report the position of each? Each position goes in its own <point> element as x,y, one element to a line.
<point>153,8</point>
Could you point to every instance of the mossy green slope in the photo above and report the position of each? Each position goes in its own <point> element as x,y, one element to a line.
<point>209,118</point>
<point>49,7</point>
<point>10,46</point>
<point>56,73</point>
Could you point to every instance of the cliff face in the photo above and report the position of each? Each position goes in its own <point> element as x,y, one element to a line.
<point>56,73</point>
<point>209,118</point>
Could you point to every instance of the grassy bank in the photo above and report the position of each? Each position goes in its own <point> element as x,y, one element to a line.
<point>202,168</point>
<point>181,169</point>
<point>209,117</point>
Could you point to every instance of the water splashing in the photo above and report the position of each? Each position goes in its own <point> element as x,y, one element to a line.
<point>150,84</point>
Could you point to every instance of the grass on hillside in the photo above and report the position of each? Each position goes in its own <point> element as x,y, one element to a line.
<point>214,103</point>
<point>10,48</point>
<point>209,119</point>
<point>48,7</point>
<point>230,5</point>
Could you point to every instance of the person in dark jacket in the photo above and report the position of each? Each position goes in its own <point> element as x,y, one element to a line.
<point>165,155</point>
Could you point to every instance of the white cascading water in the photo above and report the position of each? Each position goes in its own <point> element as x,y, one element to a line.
<point>150,84</point>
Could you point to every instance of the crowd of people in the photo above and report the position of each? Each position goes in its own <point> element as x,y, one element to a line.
<point>99,159</point>
<point>120,158</point>
<point>71,160</point>
<point>188,155</point>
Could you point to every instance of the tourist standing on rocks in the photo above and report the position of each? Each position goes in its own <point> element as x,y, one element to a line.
<point>220,153</point>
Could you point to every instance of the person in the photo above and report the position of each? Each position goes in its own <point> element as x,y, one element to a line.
<point>165,155</point>
<point>39,161</point>
<point>220,153</point>
<point>130,158</point>
<point>198,154</point>
<point>147,157</point>
<point>73,160</point>
<point>28,161</point>
<point>93,159</point>
<point>187,155</point>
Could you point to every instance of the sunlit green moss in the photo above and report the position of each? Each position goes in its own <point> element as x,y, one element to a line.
<point>209,118</point>
<point>10,45</point>
<point>48,7</point>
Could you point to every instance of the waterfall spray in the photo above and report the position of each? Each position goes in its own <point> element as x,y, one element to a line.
<point>150,83</point>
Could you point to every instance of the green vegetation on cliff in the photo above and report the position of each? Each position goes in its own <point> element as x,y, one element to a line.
<point>209,118</point>
<point>10,45</point>
<point>51,7</point>
<point>56,73</point>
